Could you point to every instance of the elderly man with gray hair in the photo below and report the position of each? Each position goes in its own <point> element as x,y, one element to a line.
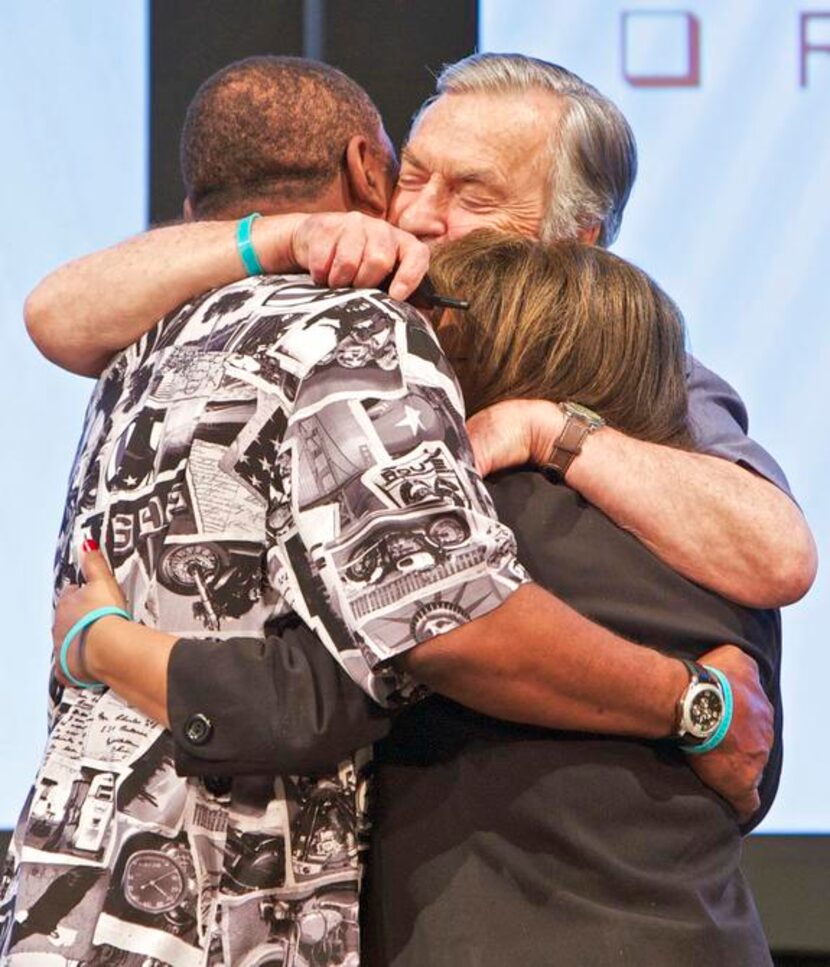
<point>582,154</point>
<point>516,144</point>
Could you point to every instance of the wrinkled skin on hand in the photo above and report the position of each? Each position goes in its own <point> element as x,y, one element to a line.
<point>513,433</point>
<point>353,249</point>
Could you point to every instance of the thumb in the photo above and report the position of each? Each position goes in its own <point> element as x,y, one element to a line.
<point>93,564</point>
<point>748,805</point>
<point>479,440</point>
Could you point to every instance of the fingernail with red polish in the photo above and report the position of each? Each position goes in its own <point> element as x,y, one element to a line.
<point>89,545</point>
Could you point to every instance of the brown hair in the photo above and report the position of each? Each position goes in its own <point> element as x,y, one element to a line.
<point>272,127</point>
<point>564,321</point>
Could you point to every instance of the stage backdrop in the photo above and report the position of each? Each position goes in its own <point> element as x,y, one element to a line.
<point>73,172</point>
<point>728,214</point>
<point>730,105</point>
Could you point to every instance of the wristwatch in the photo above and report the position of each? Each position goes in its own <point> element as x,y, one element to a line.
<point>701,707</point>
<point>579,422</point>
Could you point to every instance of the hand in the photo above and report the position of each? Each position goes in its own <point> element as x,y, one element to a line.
<point>735,768</point>
<point>101,590</point>
<point>513,433</point>
<point>341,249</point>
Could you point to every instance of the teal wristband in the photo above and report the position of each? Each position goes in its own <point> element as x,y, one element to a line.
<point>719,735</point>
<point>245,246</point>
<point>82,623</point>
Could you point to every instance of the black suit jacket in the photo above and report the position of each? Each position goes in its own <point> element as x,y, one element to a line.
<point>497,842</point>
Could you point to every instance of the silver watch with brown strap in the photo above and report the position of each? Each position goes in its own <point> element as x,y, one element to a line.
<point>579,423</point>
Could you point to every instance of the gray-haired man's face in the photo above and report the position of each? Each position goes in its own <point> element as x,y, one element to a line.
<point>476,161</point>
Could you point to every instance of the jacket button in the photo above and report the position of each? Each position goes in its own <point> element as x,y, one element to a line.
<point>198,729</point>
<point>217,785</point>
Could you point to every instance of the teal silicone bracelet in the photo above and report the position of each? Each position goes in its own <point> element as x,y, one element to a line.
<point>88,619</point>
<point>719,735</point>
<point>245,246</point>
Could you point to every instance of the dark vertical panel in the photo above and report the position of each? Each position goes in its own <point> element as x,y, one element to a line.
<point>189,41</point>
<point>314,29</point>
<point>395,47</point>
<point>391,47</point>
<point>790,877</point>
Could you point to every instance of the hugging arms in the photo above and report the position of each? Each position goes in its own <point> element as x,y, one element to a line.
<point>730,526</point>
<point>476,676</point>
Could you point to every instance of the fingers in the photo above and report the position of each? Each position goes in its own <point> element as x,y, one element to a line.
<point>93,564</point>
<point>356,250</point>
<point>100,590</point>
<point>369,251</point>
<point>479,432</point>
<point>741,795</point>
<point>377,261</point>
<point>348,253</point>
<point>500,436</point>
<point>746,805</point>
<point>413,262</point>
<point>320,254</point>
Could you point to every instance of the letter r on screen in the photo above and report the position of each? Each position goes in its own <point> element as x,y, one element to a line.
<point>808,46</point>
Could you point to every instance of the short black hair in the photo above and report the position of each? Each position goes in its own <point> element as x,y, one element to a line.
<point>271,126</point>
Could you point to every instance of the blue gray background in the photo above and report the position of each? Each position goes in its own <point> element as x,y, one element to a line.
<point>729,214</point>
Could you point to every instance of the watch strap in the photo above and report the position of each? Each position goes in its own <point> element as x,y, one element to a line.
<point>699,672</point>
<point>568,445</point>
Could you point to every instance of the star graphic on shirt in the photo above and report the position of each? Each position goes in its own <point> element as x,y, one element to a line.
<point>130,481</point>
<point>412,420</point>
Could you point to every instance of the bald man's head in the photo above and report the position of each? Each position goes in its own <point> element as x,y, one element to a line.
<point>273,132</point>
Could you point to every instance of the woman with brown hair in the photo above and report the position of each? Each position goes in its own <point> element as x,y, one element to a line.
<point>563,321</point>
<point>501,843</point>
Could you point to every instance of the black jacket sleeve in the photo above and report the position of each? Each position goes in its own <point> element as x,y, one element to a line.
<point>279,704</point>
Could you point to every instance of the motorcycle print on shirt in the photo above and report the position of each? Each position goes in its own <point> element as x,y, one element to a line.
<point>270,447</point>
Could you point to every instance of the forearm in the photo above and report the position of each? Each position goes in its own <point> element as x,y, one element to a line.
<point>90,308</point>
<point>275,704</point>
<point>709,519</point>
<point>532,660</point>
<point>535,660</point>
<point>132,659</point>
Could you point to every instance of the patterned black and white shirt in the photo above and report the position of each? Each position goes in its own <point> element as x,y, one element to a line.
<point>270,448</point>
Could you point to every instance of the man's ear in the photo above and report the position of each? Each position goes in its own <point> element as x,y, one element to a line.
<point>187,211</point>
<point>588,236</point>
<point>368,176</point>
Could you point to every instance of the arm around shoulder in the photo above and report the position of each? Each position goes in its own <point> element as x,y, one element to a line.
<point>712,520</point>
<point>90,308</point>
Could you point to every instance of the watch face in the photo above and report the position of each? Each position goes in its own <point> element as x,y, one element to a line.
<point>594,420</point>
<point>153,881</point>
<point>705,711</point>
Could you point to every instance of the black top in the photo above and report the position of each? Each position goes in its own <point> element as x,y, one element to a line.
<point>497,843</point>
